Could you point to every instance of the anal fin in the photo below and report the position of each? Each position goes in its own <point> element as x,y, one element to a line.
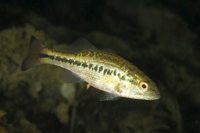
<point>105,96</point>
<point>70,77</point>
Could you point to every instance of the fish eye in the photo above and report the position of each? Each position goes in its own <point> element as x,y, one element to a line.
<point>144,86</point>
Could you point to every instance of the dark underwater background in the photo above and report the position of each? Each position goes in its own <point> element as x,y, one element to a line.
<point>161,37</point>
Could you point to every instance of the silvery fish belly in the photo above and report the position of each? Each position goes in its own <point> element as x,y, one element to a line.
<point>105,71</point>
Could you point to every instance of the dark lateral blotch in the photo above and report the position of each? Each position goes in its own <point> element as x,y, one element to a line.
<point>104,72</point>
<point>100,68</point>
<point>85,65</point>
<point>96,68</point>
<point>90,66</point>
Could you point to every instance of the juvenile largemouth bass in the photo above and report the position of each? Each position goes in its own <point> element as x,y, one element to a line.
<point>105,71</point>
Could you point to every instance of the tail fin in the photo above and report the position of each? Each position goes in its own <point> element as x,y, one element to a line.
<point>33,58</point>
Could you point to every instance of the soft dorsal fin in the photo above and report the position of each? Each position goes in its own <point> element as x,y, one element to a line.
<point>81,45</point>
<point>105,96</point>
<point>70,77</point>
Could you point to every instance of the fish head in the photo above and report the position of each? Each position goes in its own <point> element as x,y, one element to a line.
<point>143,88</point>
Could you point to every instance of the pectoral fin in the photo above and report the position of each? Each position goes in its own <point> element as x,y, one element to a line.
<point>88,86</point>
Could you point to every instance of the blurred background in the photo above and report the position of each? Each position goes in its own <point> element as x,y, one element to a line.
<point>161,37</point>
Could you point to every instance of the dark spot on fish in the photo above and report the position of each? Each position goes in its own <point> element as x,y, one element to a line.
<point>96,68</point>
<point>45,56</point>
<point>118,75</point>
<point>90,66</point>
<point>71,61</point>
<point>58,58</point>
<point>131,80</point>
<point>85,65</point>
<point>123,78</point>
<point>109,72</point>
<point>75,63</point>
<point>79,63</point>
<point>100,68</point>
<point>115,72</point>
<point>62,59</point>
<point>104,72</point>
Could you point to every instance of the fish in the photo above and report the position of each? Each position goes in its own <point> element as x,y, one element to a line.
<point>105,71</point>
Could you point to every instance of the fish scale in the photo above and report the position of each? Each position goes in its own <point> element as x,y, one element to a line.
<point>105,71</point>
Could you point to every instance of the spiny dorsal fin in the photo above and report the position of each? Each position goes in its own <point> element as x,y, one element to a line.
<point>81,45</point>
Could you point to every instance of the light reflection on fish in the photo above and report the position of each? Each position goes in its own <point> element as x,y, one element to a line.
<point>105,71</point>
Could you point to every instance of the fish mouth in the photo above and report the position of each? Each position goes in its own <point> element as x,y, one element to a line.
<point>151,96</point>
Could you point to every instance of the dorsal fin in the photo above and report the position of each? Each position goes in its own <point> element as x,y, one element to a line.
<point>81,45</point>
